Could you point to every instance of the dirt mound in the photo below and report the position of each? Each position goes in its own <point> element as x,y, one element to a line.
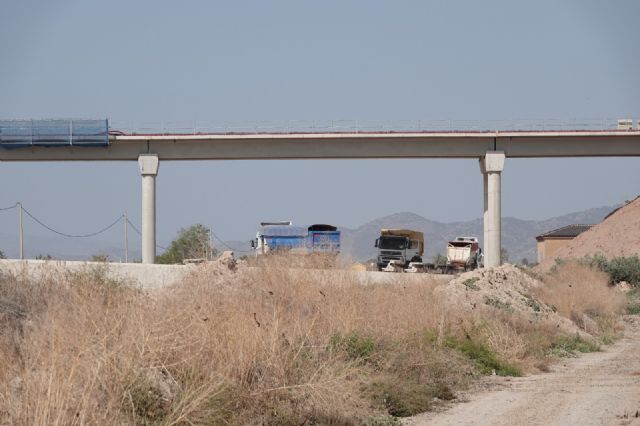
<point>224,265</point>
<point>505,288</point>
<point>617,235</point>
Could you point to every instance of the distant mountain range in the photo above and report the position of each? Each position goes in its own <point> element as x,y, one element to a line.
<point>518,236</point>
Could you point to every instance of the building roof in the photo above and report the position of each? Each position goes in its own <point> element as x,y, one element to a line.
<point>569,231</point>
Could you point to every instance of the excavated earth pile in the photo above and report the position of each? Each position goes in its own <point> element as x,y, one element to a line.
<point>617,235</point>
<point>507,289</point>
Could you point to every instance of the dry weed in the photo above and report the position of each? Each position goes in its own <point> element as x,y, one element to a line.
<point>268,344</point>
<point>583,294</point>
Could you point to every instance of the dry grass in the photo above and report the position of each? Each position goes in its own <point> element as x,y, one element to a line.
<point>583,294</point>
<point>266,345</point>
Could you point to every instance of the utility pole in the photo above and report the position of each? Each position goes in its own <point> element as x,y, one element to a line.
<point>21,233</point>
<point>126,238</point>
<point>210,243</point>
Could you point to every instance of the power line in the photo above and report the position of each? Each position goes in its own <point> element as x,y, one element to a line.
<point>105,229</point>
<point>71,235</point>
<point>140,234</point>
<point>214,236</point>
<point>225,244</point>
<point>134,227</point>
<point>9,208</point>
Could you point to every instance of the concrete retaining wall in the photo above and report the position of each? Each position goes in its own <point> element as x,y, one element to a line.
<point>158,276</point>
<point>147,276</point>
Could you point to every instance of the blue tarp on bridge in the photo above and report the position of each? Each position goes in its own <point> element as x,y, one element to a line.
<point>53,133</point>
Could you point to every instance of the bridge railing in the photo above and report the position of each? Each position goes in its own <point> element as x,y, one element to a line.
<point>350,126</point>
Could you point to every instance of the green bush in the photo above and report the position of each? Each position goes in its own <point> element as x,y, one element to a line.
<point>354,344</point>
<point>383,421</point>
<point>485,359</point>
<point>402,399</point>
<point>633,309</point>
<point>568,346</point>
<point>618,268</point>
<point>470,283</point>
<point>531,302</point>
<point>624,269</point>
<point>498,304</point>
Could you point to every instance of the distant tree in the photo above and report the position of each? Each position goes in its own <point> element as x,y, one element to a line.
<point>100,258</point>
<point>2,255</point>
<point>44,257</point>
<point>439,259</point>
<point>504,255</point>
<point>524,261</point>
<point>191,243</point>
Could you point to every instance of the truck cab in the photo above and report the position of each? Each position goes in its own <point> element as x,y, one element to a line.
<point>400,245</point>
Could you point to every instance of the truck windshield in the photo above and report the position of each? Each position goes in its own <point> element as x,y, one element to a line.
<point>392,243</point>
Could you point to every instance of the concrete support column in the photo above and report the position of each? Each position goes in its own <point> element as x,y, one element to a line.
<point>491,166</point>
<point>149,165</point>
<point>485,211</point>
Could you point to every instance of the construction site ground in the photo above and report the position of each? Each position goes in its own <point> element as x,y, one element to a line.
<point>601,388</point>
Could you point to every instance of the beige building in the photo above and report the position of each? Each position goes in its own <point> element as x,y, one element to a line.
<point>551,242</point>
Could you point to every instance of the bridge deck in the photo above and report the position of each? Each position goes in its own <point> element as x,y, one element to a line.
<point>344,145</point>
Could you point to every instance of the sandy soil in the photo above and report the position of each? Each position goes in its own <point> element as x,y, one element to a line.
<point>617,235</point>
<point>601,388</point>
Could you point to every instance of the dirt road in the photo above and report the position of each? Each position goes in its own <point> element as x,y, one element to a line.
<point>601,388</point>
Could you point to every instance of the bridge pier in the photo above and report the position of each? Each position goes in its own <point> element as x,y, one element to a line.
<point>491,166</point>
<point>149,165</point>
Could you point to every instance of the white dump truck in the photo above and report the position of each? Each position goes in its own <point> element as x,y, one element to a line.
<point>399,247</point>
<point>464,253</point>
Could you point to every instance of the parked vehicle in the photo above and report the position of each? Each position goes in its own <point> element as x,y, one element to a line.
<point>279,236</point>
<point>284,236</point>
<point>400,246</point>
<point>464,253</point>
<point>323,239</point>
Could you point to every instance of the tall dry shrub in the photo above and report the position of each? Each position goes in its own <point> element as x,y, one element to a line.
<point>269,331</point>
<point>255,347</point>
<point>582,294</point>
<point>269,344</point>
<point>75,352</point>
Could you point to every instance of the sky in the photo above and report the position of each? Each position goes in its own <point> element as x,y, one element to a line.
<point>248,61</point>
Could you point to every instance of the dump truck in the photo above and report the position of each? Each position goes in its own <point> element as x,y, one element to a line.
<point>323,239</point>
<point>399,247</point>
<point>284,236</point>
<point>464,253</point>
<point>279,236</point>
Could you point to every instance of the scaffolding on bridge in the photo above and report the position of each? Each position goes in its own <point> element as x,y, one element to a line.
<point>53,133</point>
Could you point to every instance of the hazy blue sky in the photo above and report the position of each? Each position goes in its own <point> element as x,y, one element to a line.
<point>241,61</point>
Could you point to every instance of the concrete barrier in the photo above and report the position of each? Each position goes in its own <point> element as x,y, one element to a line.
<point>146,276</point>
<point>149,276</point>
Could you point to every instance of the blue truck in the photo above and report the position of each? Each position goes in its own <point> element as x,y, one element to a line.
<point>284,236</point>
<point>323,239</point>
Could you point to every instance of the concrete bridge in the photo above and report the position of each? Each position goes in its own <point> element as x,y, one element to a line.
<point>490,148</point>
